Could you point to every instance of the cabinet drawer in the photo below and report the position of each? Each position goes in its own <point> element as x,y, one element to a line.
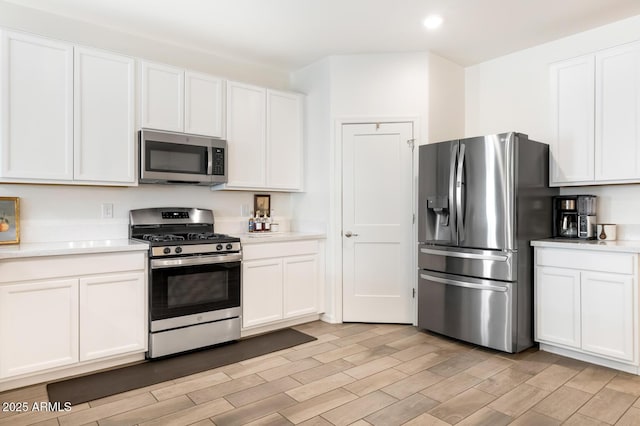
<point>280,249</point>
<point>602,261</point>
<point>47,267</point>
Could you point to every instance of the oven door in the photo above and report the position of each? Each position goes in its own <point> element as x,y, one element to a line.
<point>194,289</point>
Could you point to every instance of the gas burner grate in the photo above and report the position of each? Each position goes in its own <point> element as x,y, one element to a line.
<point>162,237</point>
<point>204,236</point>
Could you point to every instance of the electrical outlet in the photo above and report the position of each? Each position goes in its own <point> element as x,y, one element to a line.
<point>107,210</point>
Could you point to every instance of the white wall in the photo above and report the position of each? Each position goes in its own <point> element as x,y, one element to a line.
<point>446,100</point>
<point>58,213</point>
<point>365,88</point>
<point>511,93</point>
<point>381,86</point>
<point>70,213</point>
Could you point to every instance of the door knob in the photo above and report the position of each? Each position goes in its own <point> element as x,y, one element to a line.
<point>350,234</point>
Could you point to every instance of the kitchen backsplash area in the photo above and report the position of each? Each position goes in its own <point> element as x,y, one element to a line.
<point>51,213</point>
<point>617,204</point>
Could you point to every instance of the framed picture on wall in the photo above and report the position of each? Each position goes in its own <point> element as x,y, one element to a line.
<point>9,220</point>
<point>262,204</point>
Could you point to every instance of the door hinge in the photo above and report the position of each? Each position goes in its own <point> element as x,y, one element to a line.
<point>413,291</point>
<point>413,218</point>
<point>411,143</point>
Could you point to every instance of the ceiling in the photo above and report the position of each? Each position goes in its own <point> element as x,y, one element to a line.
<point>290,34</point>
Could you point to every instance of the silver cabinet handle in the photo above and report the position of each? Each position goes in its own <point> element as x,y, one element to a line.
<point>350,234</point>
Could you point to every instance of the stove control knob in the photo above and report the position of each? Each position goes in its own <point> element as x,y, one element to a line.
<point>178,250</point>
<point>219,247</point>
<point>166,250</point>
<point>229,246</point>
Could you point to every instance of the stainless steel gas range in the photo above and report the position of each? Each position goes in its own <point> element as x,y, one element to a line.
<point>194,279</point>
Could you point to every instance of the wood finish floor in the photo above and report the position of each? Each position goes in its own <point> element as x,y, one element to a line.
<point>368,374</point>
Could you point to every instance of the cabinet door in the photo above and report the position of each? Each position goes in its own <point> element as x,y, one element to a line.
<point>300,288</point>
<point>104,132</point>
<point>37,108</point>
<point>557,306</point>
<point>162,97</point>
<point>572,104</point>
<point>617,124</point>
<point>203,104</point>
<point>38,326</point>
<point>112,315</point>
<point>261,291</point>
<point>607,315</point>
<point>246,120</point>
<point>284,140</point>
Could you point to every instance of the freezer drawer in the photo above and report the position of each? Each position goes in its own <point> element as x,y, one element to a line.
<point>474,310</point>
<point>489,264</point>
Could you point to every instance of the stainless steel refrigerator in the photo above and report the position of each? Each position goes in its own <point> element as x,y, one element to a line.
<point>481,201</point>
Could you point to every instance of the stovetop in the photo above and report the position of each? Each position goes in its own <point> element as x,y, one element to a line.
<point>187,238</point>
<point>180,231</point>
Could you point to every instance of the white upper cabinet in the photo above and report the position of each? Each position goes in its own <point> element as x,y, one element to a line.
<point>284,140</point>
<point>181,101</point>
<point>264,133</point>
<point>37,108</point>
<point>162,97</point>
<point>246,125</point>
<point>203,104</point>
<point>104,125</point>
<point>65,120</point>
<point>596,118</point>
<point>617,153</point>
<point>572,121</point>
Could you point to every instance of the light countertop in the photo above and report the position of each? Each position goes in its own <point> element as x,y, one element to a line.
<point>272,237</point>
<point>578,244</point>
<point>70,247</point>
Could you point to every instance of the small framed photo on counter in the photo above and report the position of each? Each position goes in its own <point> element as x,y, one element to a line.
<point>9,220</point>
<point>262,204</point>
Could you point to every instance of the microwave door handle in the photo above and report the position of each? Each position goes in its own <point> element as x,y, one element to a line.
<point>209,160</point>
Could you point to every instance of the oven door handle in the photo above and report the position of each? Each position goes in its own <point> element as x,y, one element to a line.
<point>195,260</point>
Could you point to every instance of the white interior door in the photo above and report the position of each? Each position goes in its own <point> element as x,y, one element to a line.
<point>377,222</point>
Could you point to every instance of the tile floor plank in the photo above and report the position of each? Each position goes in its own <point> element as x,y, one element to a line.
<point>367,374</point>
<point>358,408</point>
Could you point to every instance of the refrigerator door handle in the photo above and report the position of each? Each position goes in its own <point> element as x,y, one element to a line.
<point>460,194</point>
<point>463,284</point>
<point>452,191</point>
<point>498,257</point>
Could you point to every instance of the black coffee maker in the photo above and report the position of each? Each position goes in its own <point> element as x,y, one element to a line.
<point>574,216</point>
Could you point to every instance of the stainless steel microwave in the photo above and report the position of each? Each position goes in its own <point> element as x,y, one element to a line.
<point>181,158</point>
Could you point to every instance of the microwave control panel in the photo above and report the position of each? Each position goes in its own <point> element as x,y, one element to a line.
<point>218,161</point>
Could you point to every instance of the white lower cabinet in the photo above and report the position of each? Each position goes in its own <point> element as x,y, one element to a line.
<point>607,315</point>
<point>55,312</point>
<point>587,302</point>
<point>111,315</point>
<point>280,282</point>
<point>262,291</point>
<point>38,326</point>
<point>300,285</point>
<point>558,306</point>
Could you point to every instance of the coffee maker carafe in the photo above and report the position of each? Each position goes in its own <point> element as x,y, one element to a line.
<point>565,220</point>
<point>574,216</point>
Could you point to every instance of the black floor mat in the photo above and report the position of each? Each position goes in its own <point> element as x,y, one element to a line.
<point>98,385</point>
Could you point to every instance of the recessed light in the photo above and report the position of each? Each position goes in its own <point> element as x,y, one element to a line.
<point>432,22</point>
